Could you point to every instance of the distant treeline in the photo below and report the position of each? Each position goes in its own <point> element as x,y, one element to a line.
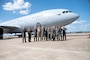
<point>80,32</point>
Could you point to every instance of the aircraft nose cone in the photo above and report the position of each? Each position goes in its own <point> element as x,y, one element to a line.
<point>75,16</point>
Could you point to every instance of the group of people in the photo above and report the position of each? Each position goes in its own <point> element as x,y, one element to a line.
<point>45,33</point>
<point>24,30</point>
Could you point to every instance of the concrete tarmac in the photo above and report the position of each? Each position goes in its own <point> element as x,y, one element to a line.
<point>76,47</point>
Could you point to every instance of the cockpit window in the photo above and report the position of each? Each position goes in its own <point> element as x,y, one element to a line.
<point>66,11</point>
<point>63,12</point>
<point>70,11</point>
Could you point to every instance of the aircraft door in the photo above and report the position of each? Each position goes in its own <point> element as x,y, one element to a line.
<point>38,24</point>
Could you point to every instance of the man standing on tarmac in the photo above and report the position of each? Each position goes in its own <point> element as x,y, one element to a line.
<point>35,34</point>
<point>57,34</point>
<point>60,33</point>
<point>64,33</point>
<point>24,35</point>
<point>29,34</point>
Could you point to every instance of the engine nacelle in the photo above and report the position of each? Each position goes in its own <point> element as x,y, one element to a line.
<point>1,32</point>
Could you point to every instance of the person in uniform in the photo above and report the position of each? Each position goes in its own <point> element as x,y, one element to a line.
<point>64,32</point>
<point>35,34</point>
<point>38,33</point>
<point>29,34</point>
<point>24,35</point>
<point>56,30</point>
<point>54,34</point>
<point>42,33</point>
<point>60,33</point>
<point>49,33</point>
<point>46,34</point>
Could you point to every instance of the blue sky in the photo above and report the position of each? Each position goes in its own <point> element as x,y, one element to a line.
<point>11,9</point>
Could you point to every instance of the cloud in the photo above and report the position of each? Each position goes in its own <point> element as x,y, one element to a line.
<point>18,5</point>
<point>80,25</point>
<point>79,22</point>
<point>23,12</point>
<point>85,27</point>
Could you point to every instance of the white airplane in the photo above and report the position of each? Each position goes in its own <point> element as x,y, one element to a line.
<point>50,17</point>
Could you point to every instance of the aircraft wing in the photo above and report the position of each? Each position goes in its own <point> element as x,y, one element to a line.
<point>10,29</point>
